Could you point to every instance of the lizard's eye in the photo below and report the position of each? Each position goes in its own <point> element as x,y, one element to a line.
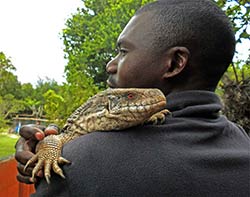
<point>130,96</point>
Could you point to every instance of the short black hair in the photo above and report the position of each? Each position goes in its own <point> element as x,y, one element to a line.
<point>200,26</point>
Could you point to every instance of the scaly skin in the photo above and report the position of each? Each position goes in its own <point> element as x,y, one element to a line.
<point>112,109</point>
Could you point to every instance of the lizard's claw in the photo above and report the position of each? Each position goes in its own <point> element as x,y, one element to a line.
<point>48,156</point>
<point>159,117</point>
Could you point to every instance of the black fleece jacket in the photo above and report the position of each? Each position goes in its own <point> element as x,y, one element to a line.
<point>196,153</point>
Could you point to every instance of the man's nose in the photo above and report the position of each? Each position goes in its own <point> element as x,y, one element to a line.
<point>111,67</point>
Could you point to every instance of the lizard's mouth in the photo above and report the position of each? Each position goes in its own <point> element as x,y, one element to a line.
<point>161,104</point>
<point>149,108</point>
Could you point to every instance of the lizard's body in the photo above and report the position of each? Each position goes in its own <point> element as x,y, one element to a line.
<point>112,109</point>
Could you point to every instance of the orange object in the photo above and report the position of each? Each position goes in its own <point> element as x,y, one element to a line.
<point>9,186</point>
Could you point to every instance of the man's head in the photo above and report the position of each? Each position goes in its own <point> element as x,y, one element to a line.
<point>174,45</point>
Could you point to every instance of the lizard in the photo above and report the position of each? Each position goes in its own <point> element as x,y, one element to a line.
<point>111,109</point>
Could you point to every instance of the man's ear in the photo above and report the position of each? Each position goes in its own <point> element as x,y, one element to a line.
<point>175,61</point>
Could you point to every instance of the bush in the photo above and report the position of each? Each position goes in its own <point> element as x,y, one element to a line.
<point>236,99</point>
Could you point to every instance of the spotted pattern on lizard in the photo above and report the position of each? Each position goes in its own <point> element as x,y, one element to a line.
<point>111,109</point>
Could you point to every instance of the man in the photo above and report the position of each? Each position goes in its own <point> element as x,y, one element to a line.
<point>183,48</point>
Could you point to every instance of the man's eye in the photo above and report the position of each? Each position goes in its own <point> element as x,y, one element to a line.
<point>123,51</point>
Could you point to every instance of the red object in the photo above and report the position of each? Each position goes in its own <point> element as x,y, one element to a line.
<point>9,186</point>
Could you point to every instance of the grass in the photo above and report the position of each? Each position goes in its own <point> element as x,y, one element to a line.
<point>7,145</point>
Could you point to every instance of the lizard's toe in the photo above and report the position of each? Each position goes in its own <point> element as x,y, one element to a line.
<point>47,177</point>
<point>47,168</point>
<point>38,166</point>
<point>58,170</point>
<point>62,160</point>
<point>158,118</point>
<point>32,160</point>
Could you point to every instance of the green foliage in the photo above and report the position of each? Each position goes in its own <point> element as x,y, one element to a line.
<point>235,92</point>
<point>9,105</point>
<point>27,90</point>
<point>35,100</point>
<point>5,64</point>
<point>9,91</point>
<point>43,86</point>
<point>236,98</point>
<point>8,81</point>
<point>238,72</point>
<point>75,95</point>
<point>239,13</point>
<point>53,105</point>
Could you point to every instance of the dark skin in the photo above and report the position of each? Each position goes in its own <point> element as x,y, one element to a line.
<point>136,65</point>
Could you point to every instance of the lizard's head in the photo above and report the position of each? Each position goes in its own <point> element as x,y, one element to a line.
<point>135,104</point>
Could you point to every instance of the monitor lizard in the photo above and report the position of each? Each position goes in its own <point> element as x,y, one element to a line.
<point>111,109</point>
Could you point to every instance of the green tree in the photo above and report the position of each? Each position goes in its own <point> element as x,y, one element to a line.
<point>75,95</point>
<point>27,90</point>
<point>59,105</point>
<point>5,64</point>
<point>34,97</point>
<point>8,81</point>
<point>235,87</point>
<point>54,104</point>
<point>9,91</point>
<point>43,85</point>
<point>239,13</point>
<point>9,106</point>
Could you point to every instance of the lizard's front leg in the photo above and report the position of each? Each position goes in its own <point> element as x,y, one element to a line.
<point>48,155</point>
<point>159,117</point>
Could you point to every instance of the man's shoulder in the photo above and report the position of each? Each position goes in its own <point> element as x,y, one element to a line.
<point>119,141</point>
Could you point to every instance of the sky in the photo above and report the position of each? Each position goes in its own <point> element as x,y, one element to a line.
<point>30,37</point>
